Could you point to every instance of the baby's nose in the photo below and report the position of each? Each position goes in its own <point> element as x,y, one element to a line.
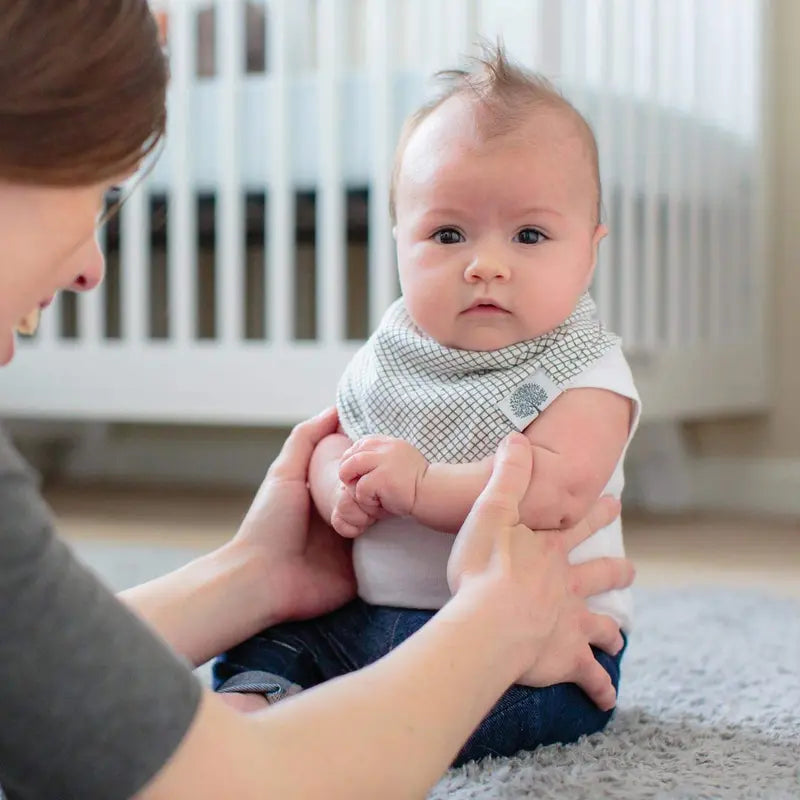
<point>486,269</point>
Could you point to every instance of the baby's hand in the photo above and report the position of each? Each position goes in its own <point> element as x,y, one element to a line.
<point>383,474</point>
<point>348,518</point>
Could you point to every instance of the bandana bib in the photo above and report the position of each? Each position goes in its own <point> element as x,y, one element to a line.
<point>455,405</point>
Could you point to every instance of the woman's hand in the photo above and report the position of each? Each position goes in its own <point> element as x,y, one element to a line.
<point>310,569</point>
<point>528,574</point>
<point>284,563</point>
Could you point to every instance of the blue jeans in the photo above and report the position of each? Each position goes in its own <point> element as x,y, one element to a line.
<point>296,655</point>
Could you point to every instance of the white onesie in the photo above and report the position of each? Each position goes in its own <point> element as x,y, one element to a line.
<point>404,384</point>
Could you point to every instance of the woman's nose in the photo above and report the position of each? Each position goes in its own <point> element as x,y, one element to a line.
<point>84,283</point>
<point>92,274</point>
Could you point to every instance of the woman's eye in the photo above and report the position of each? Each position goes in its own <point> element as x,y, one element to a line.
<point>529,236</point>
<point>448,236</point>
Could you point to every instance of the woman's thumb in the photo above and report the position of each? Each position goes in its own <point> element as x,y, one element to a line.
<point>510,478</point>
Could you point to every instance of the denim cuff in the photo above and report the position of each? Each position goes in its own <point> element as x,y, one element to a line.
<point>273,687</point>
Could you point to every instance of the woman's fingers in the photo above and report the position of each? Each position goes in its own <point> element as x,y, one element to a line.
<point>295,455</point>
<point>498,503</point>
<point>602,513</point>
<point>601,575</point>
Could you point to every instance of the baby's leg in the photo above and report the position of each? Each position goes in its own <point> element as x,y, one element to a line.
<point>274,664</point>
<point>525,718</point>
<point>284,660</point>
<point>246,703</point>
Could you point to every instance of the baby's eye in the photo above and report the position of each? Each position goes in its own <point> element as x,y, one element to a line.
<point>448,236</point>
<point>529,236</point>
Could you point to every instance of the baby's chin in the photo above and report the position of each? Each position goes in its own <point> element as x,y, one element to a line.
<point>485,339</point>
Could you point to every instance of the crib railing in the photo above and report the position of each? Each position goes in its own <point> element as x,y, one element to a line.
<point>247,266</point>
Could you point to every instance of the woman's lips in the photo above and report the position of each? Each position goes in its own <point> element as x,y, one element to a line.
<point>29,323</point>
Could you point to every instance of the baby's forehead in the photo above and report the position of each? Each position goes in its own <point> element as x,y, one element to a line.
<point>463,138</point>
<point>460,128</point>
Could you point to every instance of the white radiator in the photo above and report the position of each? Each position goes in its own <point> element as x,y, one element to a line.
<point>250,262</point>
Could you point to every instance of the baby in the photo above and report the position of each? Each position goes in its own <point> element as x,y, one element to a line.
<point>495,200</point>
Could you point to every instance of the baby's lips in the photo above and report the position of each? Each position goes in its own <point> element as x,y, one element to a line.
<point>29,323</point>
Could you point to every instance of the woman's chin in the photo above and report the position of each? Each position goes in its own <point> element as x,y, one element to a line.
<point>7,346</point>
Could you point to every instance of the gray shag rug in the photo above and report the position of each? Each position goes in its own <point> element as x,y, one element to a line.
<point>709,703</point>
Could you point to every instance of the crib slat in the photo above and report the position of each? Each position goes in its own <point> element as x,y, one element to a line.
<point>280,207</point>
<point>690,15</point>
<point>716,51</point>
<point>515,23</point>
<point>603,287</point>
<point>92,307</point>
<point>48,333</point>
<point>382,273</point>
<point>653,245</point>
<point>549,40</point>
<point>419,29</point>
<point>670,56</point>
<point>182,216</point>
<point>739,230</point>
<point>134,262</point>
<point>230,209</point>
<point>573,48</point>
<point>331,273</point>
<point>756,210</point>
<point>459,31</point>
<point>625,64</point>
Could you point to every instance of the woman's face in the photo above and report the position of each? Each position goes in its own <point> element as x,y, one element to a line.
<point>48,243</point>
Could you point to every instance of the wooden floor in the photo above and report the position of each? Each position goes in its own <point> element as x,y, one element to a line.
<point>668,551</point>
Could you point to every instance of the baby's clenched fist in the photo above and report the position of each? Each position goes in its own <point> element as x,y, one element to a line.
<point>382,475</point>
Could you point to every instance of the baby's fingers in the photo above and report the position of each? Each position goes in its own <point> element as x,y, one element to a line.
<point>354,466</point>
<point>348,519</point>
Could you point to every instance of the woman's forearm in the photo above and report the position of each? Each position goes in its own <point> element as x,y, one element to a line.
<point>387,731</point>
<point>194,608</point>
<point>407,715</point>
<point>447,492</point>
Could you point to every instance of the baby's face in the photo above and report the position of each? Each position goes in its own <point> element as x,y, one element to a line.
<point>496,240</point>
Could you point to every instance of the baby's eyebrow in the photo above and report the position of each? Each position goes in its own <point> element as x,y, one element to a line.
<point>538,211</point>
<point>444,212</point>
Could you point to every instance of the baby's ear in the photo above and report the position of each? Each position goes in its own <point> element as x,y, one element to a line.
<point>600,232</point>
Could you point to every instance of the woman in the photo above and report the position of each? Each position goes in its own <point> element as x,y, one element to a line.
<point>93,704</point>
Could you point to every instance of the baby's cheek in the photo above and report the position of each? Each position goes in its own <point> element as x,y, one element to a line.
<point>420,292</point>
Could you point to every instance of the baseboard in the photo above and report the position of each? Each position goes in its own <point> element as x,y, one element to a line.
<point>207,457</point>
<point>661,475</point>
<point>748,485</point>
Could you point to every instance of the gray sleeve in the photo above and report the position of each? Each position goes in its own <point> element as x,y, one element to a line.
<point>92,703</point>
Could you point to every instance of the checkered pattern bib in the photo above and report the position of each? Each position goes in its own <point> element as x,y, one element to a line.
<point>455,405</point>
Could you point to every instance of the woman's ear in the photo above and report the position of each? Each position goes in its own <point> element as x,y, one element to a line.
<point>600,232</point>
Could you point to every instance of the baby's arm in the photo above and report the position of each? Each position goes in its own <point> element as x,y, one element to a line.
<point>335,504</point>
<point>576,443</point>
<point>323,472</point>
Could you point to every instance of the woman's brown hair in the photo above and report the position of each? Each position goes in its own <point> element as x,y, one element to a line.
<point>82,89</point>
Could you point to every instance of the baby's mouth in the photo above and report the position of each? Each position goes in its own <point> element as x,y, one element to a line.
<point>485,306</point>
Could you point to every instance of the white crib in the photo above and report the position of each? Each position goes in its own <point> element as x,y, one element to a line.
<point>257,253</point>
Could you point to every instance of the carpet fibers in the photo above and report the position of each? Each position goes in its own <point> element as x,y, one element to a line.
<point>709,702</point>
